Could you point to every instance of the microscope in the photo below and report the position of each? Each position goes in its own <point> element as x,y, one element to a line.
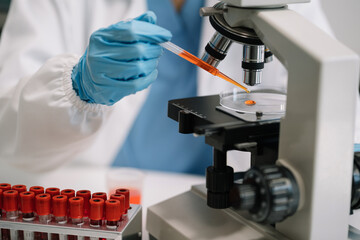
<point>304,180</point>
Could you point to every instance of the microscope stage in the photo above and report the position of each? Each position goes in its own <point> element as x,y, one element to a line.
<point>205,116</point>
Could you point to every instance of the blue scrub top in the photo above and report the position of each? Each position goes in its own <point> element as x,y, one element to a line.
<point>154,141</point>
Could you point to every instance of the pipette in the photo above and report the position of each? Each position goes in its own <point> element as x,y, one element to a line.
<point>198,62</point>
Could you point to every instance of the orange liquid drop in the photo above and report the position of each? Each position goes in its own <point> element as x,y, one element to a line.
<point>250,102</point>
<point>207,67</point>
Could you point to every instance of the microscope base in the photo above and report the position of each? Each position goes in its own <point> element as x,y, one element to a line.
<point>186,216</point>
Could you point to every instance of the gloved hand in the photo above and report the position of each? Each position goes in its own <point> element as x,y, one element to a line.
<point>120,60</point>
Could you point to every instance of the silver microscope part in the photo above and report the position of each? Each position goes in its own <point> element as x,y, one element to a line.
<point>253,53</point>
<point>252,77</point>
<point>209,11</point>
<point>219,44</point>
<point>268,55</point>
<point>253,63</point>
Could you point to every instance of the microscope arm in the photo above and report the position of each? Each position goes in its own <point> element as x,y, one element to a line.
<point>316,135</point>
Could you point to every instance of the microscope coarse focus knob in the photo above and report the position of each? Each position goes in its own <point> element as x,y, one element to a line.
<point>355,190</point>
<point>270,193</point>
<point>219,184</point>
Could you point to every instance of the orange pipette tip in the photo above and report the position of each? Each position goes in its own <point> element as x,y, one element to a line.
<point>200,63</point>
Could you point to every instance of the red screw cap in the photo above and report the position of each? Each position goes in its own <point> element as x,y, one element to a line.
<point>86,194</point>
<point>42,204</point>
<point>53,191</point>
<point>59,203</point>
<point>20,188</point>
<point>121,199</point>
<point>126,193</point>
<point>100,195</point>
<point>37,190</point>
<point>5,186</point>
<point>1,198</point>
<point>27,202</point>
<point>112,208</point>
<point>10,198</point>
<point>96,208</point>
<point>76,205</point>
<point>68,192</point>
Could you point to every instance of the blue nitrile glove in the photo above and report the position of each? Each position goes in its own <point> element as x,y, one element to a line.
<point>120,60</point>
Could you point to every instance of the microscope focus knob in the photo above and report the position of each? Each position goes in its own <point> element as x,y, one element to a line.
<point>355,191</point>
<point>270,193</point>
<point>219,184</point>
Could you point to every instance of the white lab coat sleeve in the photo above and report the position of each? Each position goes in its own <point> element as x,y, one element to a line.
<point>44,122</point>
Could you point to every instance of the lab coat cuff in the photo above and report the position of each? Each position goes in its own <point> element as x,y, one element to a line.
<point>70,92</point>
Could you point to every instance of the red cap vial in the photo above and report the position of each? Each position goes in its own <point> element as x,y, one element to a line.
<point>96,208</point>
<point>126,193</point>
<point>37,190</point>
<point>52,191</point>
<point>86,194</point>
<point>10,198</point>
<point>42,203</point>
<point>1,198</point>
<point>113,212</point>
<point>27,202</point>
<point>121,199</point>
<point>68,192</point>
<point>20,188</point>
<point>10,203</point>
<point>76,205</point>
<point>60,208</point>
<point>101,195</point>
<point>5,186</point>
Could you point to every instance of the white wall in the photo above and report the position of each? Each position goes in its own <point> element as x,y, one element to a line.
<point>344,17</point>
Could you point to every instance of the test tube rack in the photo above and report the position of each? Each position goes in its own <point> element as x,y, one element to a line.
<point>129,228</point>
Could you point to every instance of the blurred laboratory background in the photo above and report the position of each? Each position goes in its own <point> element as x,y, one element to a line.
<point>343,16</point>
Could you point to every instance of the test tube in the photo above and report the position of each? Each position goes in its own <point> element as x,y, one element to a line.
<point>1,197</point>
<point>37,190</point>
<point>100,195</point>
<point>59,206</point>
<point>59,203</point>
<point>86,194</point>
<point>121,199</point>
<point>42,204</point>
<point>126,193</point>
<point>5,233</point>
<point>76,206</point>
<point>20,188</point>
<point>68,192</point>
<point>5,186</point>
<point>53,191</point>
<point>113,213</point>
<point>96,211</point>
<point>27,205</point>
<point>10,198</point>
